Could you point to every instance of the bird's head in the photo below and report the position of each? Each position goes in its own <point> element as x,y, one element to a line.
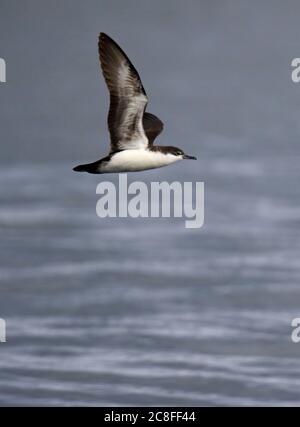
<point>174,151</point>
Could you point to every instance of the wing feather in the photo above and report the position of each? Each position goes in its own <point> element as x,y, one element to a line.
<point>128,99</point>
<point>153,127</point>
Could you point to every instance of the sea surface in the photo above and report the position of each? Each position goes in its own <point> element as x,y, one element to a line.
<point>144,312</point>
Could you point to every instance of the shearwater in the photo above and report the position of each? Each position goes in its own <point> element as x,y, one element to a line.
<point>132,130</point>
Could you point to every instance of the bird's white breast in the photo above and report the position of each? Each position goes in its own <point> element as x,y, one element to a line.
<point>138,160</point>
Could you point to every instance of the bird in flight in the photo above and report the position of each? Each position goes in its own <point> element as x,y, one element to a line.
<point>132,130</point>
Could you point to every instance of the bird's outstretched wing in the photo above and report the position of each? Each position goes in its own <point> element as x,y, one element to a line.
<point>128,99</point>
<point>153,127</point>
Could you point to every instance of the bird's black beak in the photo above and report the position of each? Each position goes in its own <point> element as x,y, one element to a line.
<point>185,157</point>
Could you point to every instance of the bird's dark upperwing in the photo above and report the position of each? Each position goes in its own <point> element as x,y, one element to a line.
<point>128,99</point>
<point>153,127</point>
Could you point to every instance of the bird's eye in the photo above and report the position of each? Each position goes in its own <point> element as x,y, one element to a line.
<point>179,153</point>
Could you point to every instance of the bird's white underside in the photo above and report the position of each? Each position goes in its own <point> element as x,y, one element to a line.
<point>137,160</point>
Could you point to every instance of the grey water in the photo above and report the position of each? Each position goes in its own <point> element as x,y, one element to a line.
<point>143,312</point>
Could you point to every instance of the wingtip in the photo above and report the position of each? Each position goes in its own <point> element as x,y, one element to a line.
<point>104,37</point>
<point>101,37</point>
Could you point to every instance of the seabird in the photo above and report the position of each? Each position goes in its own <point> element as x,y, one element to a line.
<point>132,130</point>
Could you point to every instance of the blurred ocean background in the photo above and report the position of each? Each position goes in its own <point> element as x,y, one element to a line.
<point>146,312</point>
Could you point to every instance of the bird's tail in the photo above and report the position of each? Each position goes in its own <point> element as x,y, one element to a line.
<point>80,168</point>
<point>89,167</point>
